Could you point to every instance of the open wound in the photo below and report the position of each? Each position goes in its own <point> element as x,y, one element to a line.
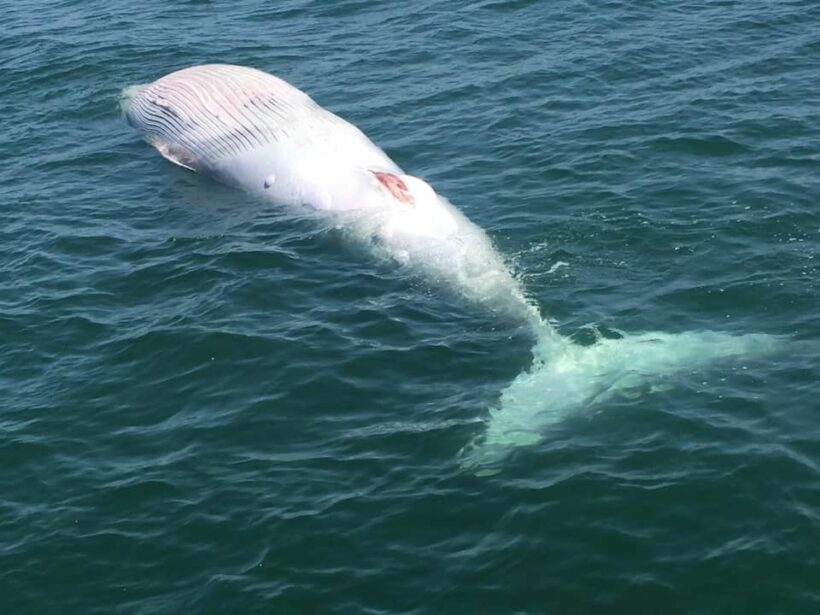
<point>396,186</point>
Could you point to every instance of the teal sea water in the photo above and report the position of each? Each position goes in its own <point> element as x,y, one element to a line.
<point>214,405</point>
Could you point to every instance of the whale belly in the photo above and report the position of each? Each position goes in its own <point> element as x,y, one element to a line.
<point>249,129</point>
<point>254,131</point>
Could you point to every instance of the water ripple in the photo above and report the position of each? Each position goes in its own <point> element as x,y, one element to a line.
<point>214,405</point>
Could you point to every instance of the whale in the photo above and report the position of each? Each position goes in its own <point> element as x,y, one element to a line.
<point>251,130</point>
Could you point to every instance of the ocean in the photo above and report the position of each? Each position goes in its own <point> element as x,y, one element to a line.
<point>211,404</point>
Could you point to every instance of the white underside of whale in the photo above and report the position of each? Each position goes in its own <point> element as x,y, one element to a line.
<point>254,131</point>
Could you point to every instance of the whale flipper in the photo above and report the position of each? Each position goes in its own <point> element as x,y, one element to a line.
<point>179,155</point>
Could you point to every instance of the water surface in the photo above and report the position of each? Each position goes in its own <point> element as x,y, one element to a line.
<point>212,405</point>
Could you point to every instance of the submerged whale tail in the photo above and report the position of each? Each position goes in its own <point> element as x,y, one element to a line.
<point>566,378</point>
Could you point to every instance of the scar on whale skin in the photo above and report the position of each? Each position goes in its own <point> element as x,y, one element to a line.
<point>396,186</point>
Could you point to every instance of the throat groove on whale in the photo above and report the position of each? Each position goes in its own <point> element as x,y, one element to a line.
<point>216,113</point>
<point>219,110</point>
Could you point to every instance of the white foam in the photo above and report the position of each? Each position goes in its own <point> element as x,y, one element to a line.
<point>557,266</point>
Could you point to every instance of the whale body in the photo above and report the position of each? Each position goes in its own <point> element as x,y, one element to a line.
<point>252,130</point>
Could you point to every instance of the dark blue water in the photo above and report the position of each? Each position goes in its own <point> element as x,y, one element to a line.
<point>212,405</point>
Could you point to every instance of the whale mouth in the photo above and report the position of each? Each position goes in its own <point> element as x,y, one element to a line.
<point>395,186</point>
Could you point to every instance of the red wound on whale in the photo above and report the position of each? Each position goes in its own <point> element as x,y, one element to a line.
<point>396,186</point>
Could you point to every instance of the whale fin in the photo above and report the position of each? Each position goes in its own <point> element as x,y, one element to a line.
<point>176,153</point>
